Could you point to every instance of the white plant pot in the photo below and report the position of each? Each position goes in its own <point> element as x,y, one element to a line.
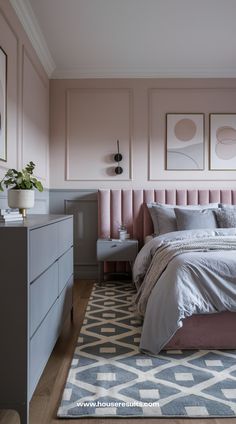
<point>22,199</point>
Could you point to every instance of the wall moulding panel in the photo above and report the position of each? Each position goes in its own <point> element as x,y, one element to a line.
<point>95,119</point>
<point>83,205</point>
<point>27,98</point>
<point>181,101</point>
<point>41,202</point>
<point>35,117</point>
<point>10,43</point>
<point>83,164</point>
<point>85,235</point>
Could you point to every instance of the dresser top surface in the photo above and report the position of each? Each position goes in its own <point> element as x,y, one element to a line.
<point>34,221</point>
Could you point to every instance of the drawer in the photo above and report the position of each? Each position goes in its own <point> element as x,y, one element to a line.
<point>65,301</point>
<point>65,235</point>
<point>41,346</point>
<point>43,248</point>
<point>116,250</point>
<point>43,293</point>
<point>65,266</point>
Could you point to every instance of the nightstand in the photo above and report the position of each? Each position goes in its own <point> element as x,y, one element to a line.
<point>115,250</point>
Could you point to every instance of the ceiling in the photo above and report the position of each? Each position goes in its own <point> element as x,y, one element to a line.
<point>132,38</point>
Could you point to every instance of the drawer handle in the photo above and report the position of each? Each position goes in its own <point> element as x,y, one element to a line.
<point>114,245</point>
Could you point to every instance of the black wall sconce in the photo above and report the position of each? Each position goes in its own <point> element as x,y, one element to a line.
<point>118,158</point>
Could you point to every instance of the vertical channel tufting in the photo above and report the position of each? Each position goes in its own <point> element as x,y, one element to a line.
<point>115,212</point>
<point>214,196</point>
<point>233,197</point>
<point>104,222</point>
<point>192,197</point>
<point>160,196</point>
<point>116,219</point>
<point>127,210</point>
<point>127,217</point>
<point>115,206</point>
<point>226,196</point>
<point>148,197</point>
<point>181,197</point>
<point>138,215</point>
<point>171,197</point>
<point>203,197</point>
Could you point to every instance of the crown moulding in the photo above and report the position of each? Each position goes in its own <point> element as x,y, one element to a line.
<point>29,22</point>
<point>32,28</point>
<point>143,73</point>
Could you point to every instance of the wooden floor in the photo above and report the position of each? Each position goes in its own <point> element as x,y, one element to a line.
<point>46,399</point>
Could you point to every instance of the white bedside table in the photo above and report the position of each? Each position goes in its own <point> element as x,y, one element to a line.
<point>115,250</point>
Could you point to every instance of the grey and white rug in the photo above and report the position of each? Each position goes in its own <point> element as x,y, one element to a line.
<point>110,377</point>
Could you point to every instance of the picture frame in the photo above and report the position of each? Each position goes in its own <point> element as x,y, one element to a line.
<point>3,105</point>
<point>222,141</point>
<point>185,141</point>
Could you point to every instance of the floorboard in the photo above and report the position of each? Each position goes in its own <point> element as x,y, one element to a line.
<point>46,399</point>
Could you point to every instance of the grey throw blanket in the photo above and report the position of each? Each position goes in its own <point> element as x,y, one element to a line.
<point>169,250</point>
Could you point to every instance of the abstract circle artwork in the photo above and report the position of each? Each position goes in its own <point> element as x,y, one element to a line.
<point>184,141</point>
<point>222,141</point>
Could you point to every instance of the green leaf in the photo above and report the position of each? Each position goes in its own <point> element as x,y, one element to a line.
<point>28,185</point>
<point>23,179</point>
<point>39,186</point>
<point>19,181</point>
<point>9,182</point>
<point>9,173</point>
<point>30,167</point>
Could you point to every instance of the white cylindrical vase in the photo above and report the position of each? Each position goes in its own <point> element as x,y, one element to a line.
<point>122,234</point>
<point>22,199</point>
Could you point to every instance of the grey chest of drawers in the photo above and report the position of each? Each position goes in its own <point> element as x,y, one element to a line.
<point>115,250</point>
<point>36,281</point>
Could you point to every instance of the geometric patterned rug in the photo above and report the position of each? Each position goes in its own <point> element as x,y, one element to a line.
<point>110,377</point>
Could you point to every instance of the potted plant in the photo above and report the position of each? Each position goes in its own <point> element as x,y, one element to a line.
<point>21,195</point>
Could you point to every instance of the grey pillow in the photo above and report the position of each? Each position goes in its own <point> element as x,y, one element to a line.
<point>163,219</point>
<point>151,210</point>
<point>226,218</point>
<point>163,215</point>
<point>227,206</point>
<point>195,219</point>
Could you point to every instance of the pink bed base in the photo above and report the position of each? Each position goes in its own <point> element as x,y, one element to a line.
<point>214,331</point>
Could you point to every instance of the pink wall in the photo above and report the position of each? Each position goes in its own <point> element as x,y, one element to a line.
<point>27,99</point>
<point>87,117</point>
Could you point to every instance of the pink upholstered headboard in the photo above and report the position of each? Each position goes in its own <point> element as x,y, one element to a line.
<point>128,206</point>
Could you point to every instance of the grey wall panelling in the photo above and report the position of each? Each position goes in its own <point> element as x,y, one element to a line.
<point>82,204</point>
<point>41,202</point>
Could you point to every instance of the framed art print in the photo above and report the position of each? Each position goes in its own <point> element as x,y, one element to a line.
<point>185,141</point>
<point>223,141</point>
<point>3,105</point>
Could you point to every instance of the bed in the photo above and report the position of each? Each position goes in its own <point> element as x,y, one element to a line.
<point>201,331</point>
